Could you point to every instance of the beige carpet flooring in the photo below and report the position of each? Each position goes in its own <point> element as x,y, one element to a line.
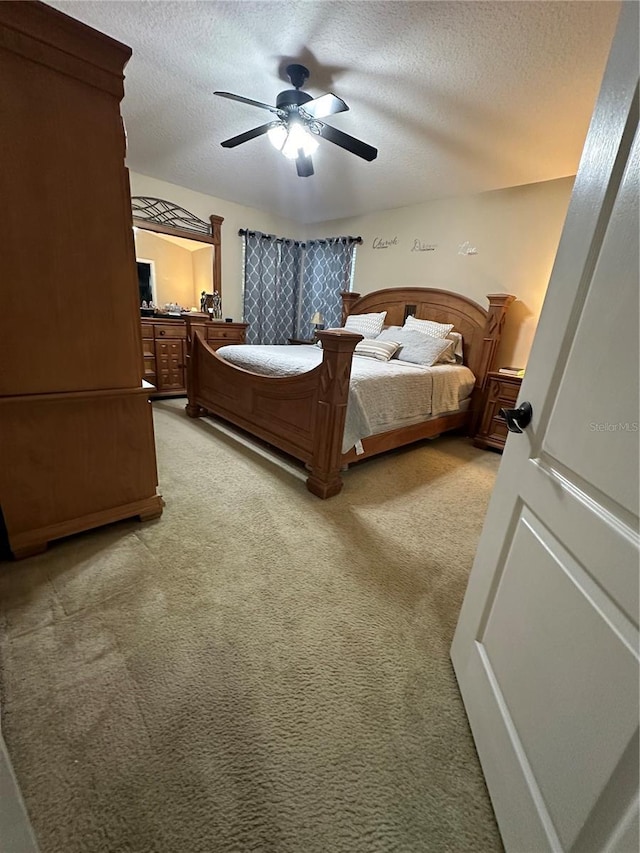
<point>258,670</point>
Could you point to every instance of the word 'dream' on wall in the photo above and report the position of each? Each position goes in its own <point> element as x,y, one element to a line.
<point>420,246</point>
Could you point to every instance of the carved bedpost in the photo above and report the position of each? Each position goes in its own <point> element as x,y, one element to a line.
<point>347,303</point>
<point>331,410</point>
<point>498,305</point>
<point>195,328</point>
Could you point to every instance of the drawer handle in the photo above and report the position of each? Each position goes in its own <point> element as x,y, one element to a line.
<point>517,419</point>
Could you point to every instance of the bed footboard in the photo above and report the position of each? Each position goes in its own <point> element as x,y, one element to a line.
<point>331,411</point>
<point>303,415</point>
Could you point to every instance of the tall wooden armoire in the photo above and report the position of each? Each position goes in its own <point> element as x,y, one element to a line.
<point>76,434</point>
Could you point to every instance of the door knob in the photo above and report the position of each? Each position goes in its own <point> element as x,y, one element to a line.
<point>517,419</point>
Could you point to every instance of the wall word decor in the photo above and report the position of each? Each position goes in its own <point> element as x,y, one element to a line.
<point>467,249</point>
<point>379,243</point>
<point>419,246</point>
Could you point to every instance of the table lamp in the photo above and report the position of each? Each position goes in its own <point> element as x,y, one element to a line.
<point>317,321</point>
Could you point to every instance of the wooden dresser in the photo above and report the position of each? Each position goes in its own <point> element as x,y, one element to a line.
<point>164,347</point>
<point>501,393</point>
<point>76,433</point>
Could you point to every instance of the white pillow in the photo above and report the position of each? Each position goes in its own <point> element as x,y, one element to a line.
<point>454,354</point>
<point>381,350</point>
<point>448,355</point>
<point>415,347</point>
<point>369,325</point>
<point>458,354</point>
<point>428,327</point>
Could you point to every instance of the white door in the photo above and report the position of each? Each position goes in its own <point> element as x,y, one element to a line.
<point>546,648</point>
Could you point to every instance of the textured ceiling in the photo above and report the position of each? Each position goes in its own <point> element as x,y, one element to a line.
<point>459,97</point>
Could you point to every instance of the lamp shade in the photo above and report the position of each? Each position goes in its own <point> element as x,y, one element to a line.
<point>277,136</point>
<point>290,139</point>
<point>299,138</point>
<point>317,319</point>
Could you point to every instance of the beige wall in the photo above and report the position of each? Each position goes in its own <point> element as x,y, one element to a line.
<point>236,216</point>
<point>202,260</point>
<point>182,271</point>
<point>172,265</point>
<point>515,231</point>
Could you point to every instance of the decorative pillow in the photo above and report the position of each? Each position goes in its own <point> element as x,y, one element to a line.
<point>458,355</point>
<point>415,347</point>
<point>428,327</point>
<point>382,350</point>
<point>453,355</point>
<point>369,325</point>
<point>448,355</point>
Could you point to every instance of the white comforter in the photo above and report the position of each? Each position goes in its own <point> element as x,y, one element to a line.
<point>382,395</point>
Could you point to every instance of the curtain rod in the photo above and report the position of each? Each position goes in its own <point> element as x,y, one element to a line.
<point>245,232</point>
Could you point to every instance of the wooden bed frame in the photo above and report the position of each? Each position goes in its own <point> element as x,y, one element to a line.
<point>304,415</point>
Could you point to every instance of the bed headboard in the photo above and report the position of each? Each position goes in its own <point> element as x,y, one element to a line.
<point>480,328</point>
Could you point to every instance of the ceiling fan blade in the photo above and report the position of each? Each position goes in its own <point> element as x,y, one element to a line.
<point>249,101</point>
<point>349,143</point>
<point>304,166</point>
<point>250,134</point>
<point>325,105</point>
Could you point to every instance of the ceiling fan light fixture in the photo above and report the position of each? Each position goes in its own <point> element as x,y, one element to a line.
<point>277,136</point>
<point>297,125</point>
<point>299,137</point>
<point>290,140</point>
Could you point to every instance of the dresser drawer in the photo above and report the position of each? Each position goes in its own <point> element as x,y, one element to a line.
<point>509,392</point>
<point>147,330</point>
<point>498,429</point>
<point>225,336</point>
<point>169,349</point>
<point>169,331</point>
<point>506,392</point>
<point>148,348</point>
<point>502,393</point>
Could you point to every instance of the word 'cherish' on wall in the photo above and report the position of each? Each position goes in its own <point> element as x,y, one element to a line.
<point>379,243</point>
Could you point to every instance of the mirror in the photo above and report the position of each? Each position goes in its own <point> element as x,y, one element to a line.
<point>177,258</point>
<point>172,270</point>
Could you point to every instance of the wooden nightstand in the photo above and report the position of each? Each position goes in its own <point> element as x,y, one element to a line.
<point>501,393</point>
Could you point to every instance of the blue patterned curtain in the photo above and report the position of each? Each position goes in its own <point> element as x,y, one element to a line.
<point>327,270</point>
<point>286,282</point>
<point>271,288</point>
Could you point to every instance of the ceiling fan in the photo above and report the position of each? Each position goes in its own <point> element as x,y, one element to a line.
<point>297,123</point>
